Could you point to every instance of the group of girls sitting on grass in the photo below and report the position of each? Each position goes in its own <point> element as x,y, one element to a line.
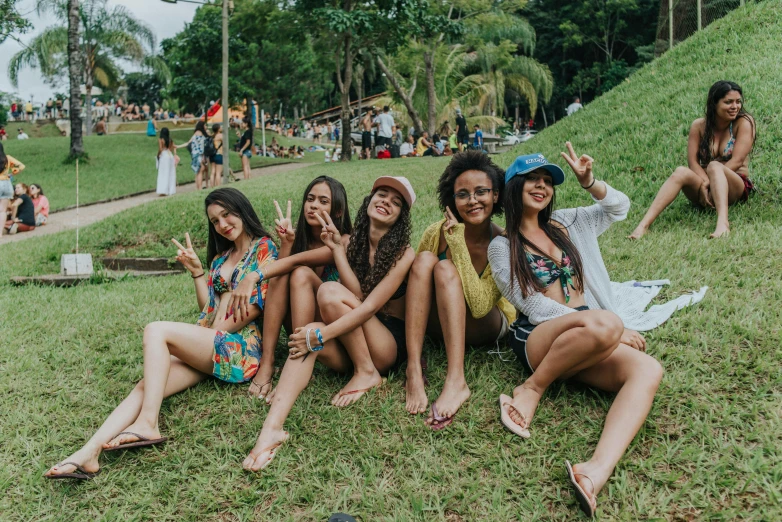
<point>357,298</point>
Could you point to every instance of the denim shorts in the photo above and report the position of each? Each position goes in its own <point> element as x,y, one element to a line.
<point>6,189</point>
<point>247,153</point>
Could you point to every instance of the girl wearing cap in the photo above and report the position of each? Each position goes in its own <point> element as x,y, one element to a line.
<point>362,330</point>
<point>548,264</point>
<point>452,292</point>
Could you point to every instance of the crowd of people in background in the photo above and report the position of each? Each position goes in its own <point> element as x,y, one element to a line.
<point>22,207</point>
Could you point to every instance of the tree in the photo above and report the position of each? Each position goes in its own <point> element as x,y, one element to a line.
<point>106,36</point>
<point>75,63</point>
<point>11,21</point>
<point>144,88</point>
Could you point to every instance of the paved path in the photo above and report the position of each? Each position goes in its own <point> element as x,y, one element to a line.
<point>66,219</point>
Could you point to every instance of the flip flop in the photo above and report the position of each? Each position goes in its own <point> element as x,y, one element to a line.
<point>140,443</point>
<point>362,390</point>
<point>581,495</point>
<point>78,474</point>
<point>508,422</point>
<point>272,450</point>
<point>442,422</point>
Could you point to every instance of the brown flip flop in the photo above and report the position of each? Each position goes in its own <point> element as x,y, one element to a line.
<point>78,474</point>
<point>140,443</point>
<point>581,495</point>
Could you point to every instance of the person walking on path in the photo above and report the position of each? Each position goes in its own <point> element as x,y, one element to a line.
<point>462,132</point>
<point>216,161</point>
<point>196,142</point>
<point>166,164</point>
<point>385,124</point>
<point>245,146</point>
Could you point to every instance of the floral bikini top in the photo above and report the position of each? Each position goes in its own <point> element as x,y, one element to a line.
<point>547,271</point>
<point>727,152</point>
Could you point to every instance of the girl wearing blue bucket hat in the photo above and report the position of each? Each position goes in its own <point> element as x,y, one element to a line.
<point>548,265</point>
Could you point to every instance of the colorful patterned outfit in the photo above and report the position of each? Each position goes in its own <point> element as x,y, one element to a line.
<point>237,355</point>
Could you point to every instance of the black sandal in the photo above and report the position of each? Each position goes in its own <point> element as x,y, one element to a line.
<point>140,443</point>
<point>79,474</point>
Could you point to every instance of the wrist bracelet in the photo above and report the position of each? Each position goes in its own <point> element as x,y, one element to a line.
<point>307,338</point>
<point>318,347</point>
<point>319,336</point>
<point>199,275</point>
<point>590,185</point>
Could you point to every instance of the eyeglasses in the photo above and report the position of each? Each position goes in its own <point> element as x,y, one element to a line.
<point>479,194</point>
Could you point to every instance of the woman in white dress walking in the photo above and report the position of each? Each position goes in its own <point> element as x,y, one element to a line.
<point>166,164</point>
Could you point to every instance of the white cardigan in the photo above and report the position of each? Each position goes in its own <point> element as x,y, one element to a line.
<point>627,300</point>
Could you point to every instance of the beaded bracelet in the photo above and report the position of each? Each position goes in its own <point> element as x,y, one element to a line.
<point>319,336</point>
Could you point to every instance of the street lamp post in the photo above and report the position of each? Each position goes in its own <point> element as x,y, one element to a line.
<point>226,4</point>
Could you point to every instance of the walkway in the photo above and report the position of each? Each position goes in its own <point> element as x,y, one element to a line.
<point>66,219</point>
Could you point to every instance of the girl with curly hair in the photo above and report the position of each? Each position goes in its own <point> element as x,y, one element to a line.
<point>452,292</point>
<point>304,263</point>
<point>362,328</point>
<point>717,171</point>
<point>225,342</point>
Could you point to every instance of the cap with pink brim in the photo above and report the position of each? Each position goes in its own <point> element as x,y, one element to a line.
<point>399,183</point>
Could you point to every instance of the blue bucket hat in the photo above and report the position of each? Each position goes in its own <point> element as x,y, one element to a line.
<point>526,164</point>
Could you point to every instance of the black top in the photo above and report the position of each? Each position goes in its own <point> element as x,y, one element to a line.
<point>461,126</point>
<point>246,137</point>
<point>26,211</point>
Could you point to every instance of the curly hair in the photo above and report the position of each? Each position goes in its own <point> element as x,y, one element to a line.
<point>717,92</point>
<point>390,248</point>
<point>461,163</point>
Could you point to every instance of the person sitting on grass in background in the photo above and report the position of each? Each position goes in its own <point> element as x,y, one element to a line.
<point>3,133</point>
<point>225,343</point>
<point>41,204</point>
<point>452,294</point>
<point>407,150</point>
<point>717,171</point>
<point>303,265</point>
<point>22,218</point>
<point>424,146</point>
<point>363,335</point>
<point>100,127</point>
<point>21,135</point>
<point>548,265</point>
<point>9,166</point>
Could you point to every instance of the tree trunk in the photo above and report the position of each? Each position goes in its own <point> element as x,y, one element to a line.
<point>74,74</point>
<point>407,98</point>
<point>88,101</point>
<point>431,98</point>
<point>344,83</point>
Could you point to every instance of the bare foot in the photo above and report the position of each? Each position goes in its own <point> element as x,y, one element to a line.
<point>722,229</point>
<point>137,428</point>
<point>270,397</point>
<point>356,388</point>
<point>85,458</point>
<point>417,401</point>
<point>638,233</point>
<point>450,400</point>
<point>525,400</point>
<point>265,449</point>
<point>261,384</point>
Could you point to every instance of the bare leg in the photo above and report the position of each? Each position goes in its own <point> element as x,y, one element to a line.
<point>274,314</point>
<point>418,306</point>
<point>246,166</point>
<point>559,349</point>
<point>3,209</point>
<point>453,314</point>
<point>682,179</point>
<point>726,187</point>
<point>636,377</point>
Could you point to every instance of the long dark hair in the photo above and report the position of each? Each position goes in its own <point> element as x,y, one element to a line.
<point>166,137</point>
<point>3,161</point>
<point>717,92</point>
<point>237,204</point>
<point>518,244</point>
<point>460,163</point>
<point>389,250</point>
<point>40,190</point>
<point>249,123</point>
<point>201,126</point>
<point>340,214</point>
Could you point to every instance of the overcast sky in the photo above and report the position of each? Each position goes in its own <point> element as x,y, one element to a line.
<point>165,20</point>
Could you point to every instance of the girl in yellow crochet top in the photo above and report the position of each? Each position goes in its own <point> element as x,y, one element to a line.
<point>451,292</point>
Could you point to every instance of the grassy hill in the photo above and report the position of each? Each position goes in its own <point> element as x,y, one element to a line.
<point>709,450</point>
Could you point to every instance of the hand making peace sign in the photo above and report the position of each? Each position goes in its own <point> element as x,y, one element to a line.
<point>450,221</point>
<point>187,256</point>
<point>581,166</point>
<point>330,235</point>
<point>285,229</point>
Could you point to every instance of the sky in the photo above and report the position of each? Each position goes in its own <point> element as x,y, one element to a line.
<point>165,20</point>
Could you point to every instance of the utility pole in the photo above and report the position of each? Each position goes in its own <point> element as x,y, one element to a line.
<point>226,128</point>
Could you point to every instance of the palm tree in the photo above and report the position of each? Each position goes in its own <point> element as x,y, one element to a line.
<point>106,35</point>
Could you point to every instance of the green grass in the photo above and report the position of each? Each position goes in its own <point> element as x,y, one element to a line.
<point>710,449</point>
<point>38,129</point>
<point>119,164</point>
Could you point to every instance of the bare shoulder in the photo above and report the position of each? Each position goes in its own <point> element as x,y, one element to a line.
<point>698,125</point>
<point>745,123</point>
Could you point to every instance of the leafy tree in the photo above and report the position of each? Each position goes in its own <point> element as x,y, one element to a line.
<point>75,70</point>
<point>11,21</point>
<point>106,36</point>
<point>144,88</point>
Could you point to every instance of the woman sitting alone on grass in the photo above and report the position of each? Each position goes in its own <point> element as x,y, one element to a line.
<point>549,266</point>
<point>452,292</point>
<point>225,342</point>
<point>717,172</point>
<point>366,334</point>
<point>41,204</point>
<point>304,263</point>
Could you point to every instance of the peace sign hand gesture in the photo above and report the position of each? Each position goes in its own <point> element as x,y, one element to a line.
<point>285,229</point>
<point>581,166</point>
<point>187,256</point>
<point>450,221</point>
<point>330,235</point>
